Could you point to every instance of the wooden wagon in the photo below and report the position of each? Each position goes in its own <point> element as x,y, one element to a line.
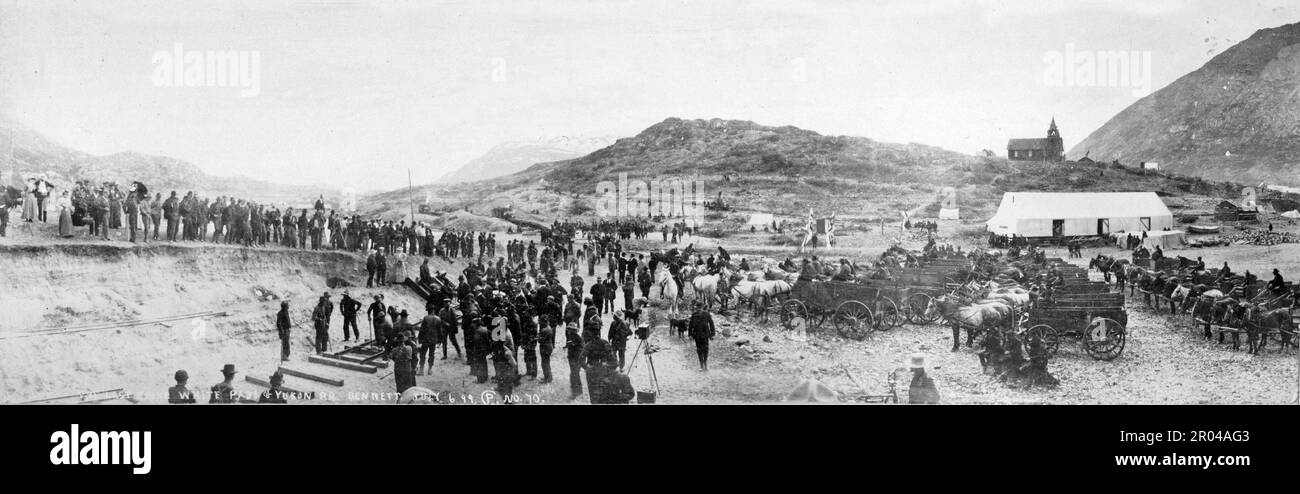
<point>855,309</point>
<point>1097,319</point>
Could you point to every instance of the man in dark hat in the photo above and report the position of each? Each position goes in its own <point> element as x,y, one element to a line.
<point>597,295</point>
<point>376,313</point>
<point>381,268</point>
<point>528,341</point>
<point>349,308</point>
<point>179,393</point>
<point>507,371</point>
<point>372,267</point>
<point>282,326</point>
<point>449,324</point>
<point>1276,285</point>
<point>224,391</point>
<point>402,355</point>
<point>591,324</point>
<point>573,347</point>
<point>275,394</point>
<point>611,293</point>
<point>481,350</point>
<point>430,337</point>
<point>320,316</point>
<point>572,311</point>
<point>618,335</point>
<point>702,330</point>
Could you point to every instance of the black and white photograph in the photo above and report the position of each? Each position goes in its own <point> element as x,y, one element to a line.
<point>649,202</point>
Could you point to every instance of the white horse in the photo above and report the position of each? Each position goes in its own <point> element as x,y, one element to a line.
<point>668,290</point>
<point>706,287</point>
<point>759,292</point>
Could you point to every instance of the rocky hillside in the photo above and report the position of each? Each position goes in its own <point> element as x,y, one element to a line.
<point>786,171</point>
<point>512,157</point>
<point>1235,118</point>
<point>34,153</point>
<point>723,147</point>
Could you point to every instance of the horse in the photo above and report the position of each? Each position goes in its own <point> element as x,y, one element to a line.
<point>759,292</point>
<point>976,318</point>
<point>1260,321</point>
<point>710,286</point>
<point>668,291</point>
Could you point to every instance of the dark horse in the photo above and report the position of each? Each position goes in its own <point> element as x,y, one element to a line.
<point>1260,321</point>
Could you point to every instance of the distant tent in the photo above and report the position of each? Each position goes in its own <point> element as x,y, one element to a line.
<point>761,219</point>
<point>1293,214</point>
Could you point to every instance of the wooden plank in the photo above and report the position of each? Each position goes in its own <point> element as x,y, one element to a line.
<point>358,359</point>
<point>286,389</point>
<point>342,364</point>
<point>309,376</point>
<point>352,349</point>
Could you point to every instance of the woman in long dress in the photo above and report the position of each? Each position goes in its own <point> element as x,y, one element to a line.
<point>64,203</point>
<point>397,271</point>
<point>29,200</point>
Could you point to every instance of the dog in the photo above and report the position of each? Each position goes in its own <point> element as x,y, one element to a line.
<point>680,327</point>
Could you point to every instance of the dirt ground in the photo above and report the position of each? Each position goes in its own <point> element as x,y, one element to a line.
<point>78,281</point>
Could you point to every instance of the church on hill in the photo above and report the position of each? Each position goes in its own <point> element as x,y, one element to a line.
<point>1049,148</point>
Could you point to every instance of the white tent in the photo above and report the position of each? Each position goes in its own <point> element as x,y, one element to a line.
<point>1048,214</point>
<point>760,219</point>
<point>1164,240</point>
<point>1293,214</point>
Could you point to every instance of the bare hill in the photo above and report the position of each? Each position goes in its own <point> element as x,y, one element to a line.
<point>34,153</point>
<point>787,171</point>
<point>1235,118</point>
<point>512,157</point>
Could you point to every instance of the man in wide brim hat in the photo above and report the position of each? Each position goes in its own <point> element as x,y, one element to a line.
<point>922,389</point>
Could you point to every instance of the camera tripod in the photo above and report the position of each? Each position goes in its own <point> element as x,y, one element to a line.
<point>644,346</point>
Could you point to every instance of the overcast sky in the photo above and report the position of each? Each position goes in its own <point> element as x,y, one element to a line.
<point>354,93</point>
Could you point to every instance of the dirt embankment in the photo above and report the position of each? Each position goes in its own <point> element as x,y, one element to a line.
<point>75,285</point>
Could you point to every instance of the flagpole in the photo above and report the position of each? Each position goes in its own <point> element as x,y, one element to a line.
<point>410,188</point>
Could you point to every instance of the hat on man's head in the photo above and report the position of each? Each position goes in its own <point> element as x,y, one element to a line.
<point>277,378</point>
<point>181,375</point>
<point>229,369</point>
<point>916,361</point>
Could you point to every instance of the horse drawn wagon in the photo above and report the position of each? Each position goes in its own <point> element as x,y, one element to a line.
<point>855,309</point>
<point>1087,312</point>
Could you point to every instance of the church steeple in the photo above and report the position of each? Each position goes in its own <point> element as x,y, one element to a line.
<point>1051,130</point>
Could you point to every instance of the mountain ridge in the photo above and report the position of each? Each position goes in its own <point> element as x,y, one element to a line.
<point>1236,117</point>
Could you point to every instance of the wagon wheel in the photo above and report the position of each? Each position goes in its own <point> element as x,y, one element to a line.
<point>853,320</point>
<point>1104,339</point>
<point>1051,339</point>
<point>792,309</point>
<point>886,313</point>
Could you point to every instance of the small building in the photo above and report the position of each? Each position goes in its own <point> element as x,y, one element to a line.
<point>1149,165</point>
<point>1228,211</point>
<point>1050,148</point>
<point>1065,214</point>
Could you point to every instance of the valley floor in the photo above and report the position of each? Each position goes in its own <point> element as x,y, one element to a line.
<point>72,282</point>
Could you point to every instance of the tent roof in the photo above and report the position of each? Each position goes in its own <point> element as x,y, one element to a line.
<point>1069,205</point>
